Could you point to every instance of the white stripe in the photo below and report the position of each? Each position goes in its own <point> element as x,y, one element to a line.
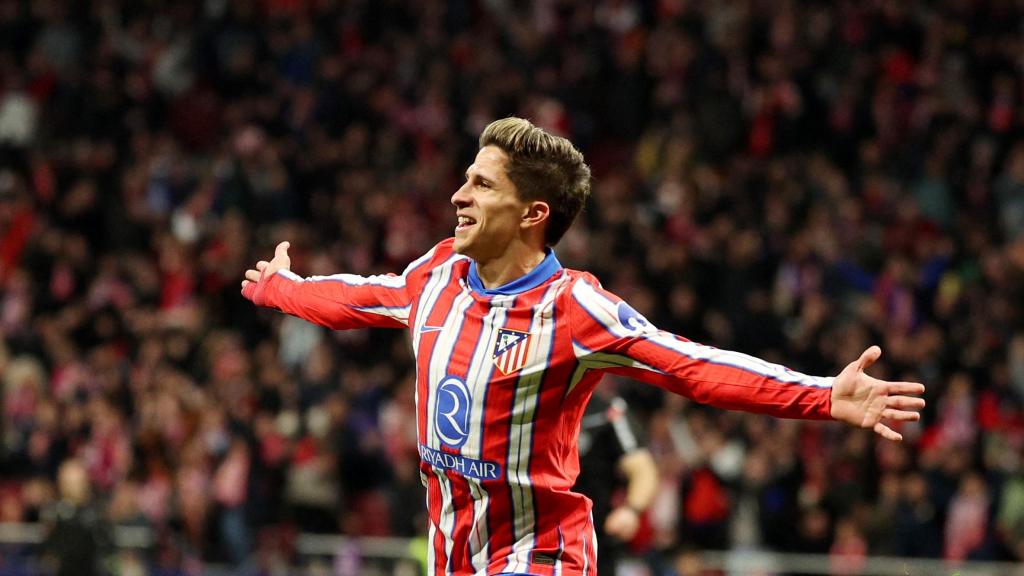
<point>439,359</point>
<point>479,538</point>
<point>512,358</point>
<point>739,360</point>
<point>561,551</point>
<point>477,378</point>
<point>609,360</point>
<point>434,288</point>
<point>590,360</point>
<point>577,377</point>
<point>431,555</point>
<point>522,420</point>
<point>520,355</point>
<point>443,350</point>
<point>586,557</point>
<point>447,518</point>
<point>601,308</point>
<point>400,314</point>
<point>579,350</point>
<point>593,535</point>
<point>385,280</point>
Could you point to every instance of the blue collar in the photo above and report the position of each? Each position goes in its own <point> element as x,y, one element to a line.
<point>546,269</point>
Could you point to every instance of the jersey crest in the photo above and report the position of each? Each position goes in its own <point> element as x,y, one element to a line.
<point>510,350</point>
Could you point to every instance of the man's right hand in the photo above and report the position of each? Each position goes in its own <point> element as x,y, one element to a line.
<point>265,269</point>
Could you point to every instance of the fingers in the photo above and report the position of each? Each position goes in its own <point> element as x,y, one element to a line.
<point>280,261</point>
<point>282,250</point>
<point>887,433</point>
<point>900,415</point>
<point>913,388</point>
<point>248,290</point>
<point>905,402</point>
<point>868,357</point>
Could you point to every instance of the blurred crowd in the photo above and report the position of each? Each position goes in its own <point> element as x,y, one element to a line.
<point>795,180</point>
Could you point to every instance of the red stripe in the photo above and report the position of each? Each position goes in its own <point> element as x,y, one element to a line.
<point>428,341</point>
<point>458,365</point>
<point>552,509</point>
<point>503,363</point>
<point>434,507</point>
<point>501,391</point>
<point>511,359</point>
<point>507,363</point>
<point>435,317</point>
<point>521,351</point>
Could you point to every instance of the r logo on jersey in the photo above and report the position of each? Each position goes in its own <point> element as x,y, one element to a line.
<point>510,350</point>
<point>631,319</point>
<point>451,412</point>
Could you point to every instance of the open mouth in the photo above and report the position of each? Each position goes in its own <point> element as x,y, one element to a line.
<point>464,223</point>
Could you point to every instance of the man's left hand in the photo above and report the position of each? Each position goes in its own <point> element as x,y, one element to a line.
<point>867,402</point>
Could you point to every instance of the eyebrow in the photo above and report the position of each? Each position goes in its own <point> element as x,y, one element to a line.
<point>481,177</point>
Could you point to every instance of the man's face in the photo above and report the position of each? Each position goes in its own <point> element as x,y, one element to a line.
<point>488,208</point>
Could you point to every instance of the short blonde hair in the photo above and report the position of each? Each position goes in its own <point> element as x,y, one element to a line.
<point>543,167</point>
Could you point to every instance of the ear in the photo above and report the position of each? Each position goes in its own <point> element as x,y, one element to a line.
<point>535,214</point>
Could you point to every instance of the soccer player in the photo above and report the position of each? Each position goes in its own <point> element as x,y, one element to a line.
<point>611,456</point>
<point>509,346</point>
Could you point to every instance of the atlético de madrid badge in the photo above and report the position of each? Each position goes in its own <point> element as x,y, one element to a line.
<point>510,350</point>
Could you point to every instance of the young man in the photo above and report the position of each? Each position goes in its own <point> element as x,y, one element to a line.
<point>509,345</point>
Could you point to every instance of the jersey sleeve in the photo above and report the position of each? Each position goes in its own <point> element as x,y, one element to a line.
<point>344,301</point>
<point>609,335</point>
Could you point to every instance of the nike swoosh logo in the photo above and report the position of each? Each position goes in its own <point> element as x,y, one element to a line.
<point>426,329</point>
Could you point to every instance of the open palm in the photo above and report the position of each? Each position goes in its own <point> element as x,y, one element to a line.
<point>867,402</point>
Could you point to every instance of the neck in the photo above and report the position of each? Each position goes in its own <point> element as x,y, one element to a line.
<point>515,263</point>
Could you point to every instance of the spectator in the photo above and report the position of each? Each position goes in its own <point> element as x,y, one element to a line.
<point>617,473</point>
<point>78,539</point>
<point>843,167</point>
<point>917,529</point>
<point>967,522</point>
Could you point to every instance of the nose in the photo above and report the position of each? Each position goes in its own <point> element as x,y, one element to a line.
<point>461,198</point>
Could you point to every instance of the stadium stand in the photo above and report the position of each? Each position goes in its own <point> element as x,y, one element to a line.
<point>795,180</point>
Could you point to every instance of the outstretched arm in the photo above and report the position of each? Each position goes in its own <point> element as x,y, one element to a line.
<point>867,402</point>
<point>340,301</point>
<point>608,335</point>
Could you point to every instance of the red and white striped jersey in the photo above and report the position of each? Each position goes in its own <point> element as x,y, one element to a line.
<point>503,378</point>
